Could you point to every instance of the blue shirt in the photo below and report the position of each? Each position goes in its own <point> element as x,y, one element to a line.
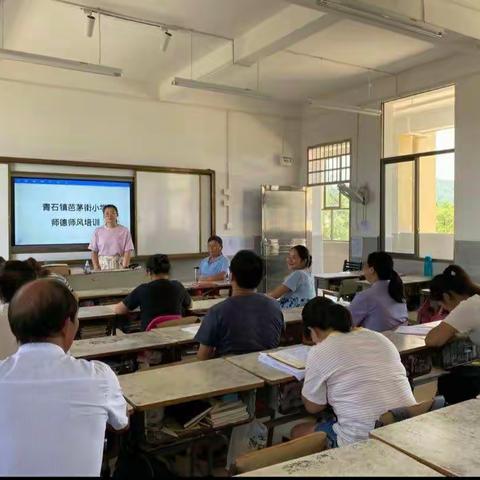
<point>242,324</point>
<point>375,309</point>
<point>302,289</point>
<point>218,265</point>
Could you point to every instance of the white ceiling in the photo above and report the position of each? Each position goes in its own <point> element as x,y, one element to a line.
<point>294,72</point>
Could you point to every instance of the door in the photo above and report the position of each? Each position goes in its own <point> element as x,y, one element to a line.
<point>284,224</point>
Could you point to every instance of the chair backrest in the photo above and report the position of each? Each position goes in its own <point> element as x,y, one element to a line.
<point>349,266</point>
<point>170,321</point>
<point>63,270</point>
<point>402,413</point>
<point>349,286</point>
<point>300,447</point>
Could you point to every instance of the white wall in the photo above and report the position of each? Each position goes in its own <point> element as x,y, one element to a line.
<point>40,121</point>
<point>366,132</point>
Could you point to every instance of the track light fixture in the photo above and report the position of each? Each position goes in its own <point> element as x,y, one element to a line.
<point>166,40</point>
<point>90,22</point>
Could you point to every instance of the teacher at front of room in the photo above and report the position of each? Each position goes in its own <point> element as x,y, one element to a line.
<point>215,267</point>
<point>111,245</point>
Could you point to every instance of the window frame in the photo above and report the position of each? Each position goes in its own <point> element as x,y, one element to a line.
<point>326,209</point>
<point>415,157</point>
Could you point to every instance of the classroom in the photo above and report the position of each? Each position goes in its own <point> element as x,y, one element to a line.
<point>238,238</point>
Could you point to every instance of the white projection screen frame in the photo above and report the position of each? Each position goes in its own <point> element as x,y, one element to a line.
<point>194,209</point>
<point>173,212</point>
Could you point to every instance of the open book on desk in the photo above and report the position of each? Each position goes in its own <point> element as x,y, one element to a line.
<point>295,356</point>
<point>285,359</point>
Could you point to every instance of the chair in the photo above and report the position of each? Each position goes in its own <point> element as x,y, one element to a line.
<point>402,413</point>
<point>170,321</point>
<point>300,447</point>
<point>348,288</point>
<point>59,269</point>
<point>349,266</point>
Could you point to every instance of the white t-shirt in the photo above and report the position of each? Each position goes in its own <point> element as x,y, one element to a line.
<point>54,409</point>
<point>465,318</point>
<point>8,342</point>
<point>360,375</point>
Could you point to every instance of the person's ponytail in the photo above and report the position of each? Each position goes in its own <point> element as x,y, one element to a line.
<point>395,287</point>
<point>382,263</point>
<point>304,254</point>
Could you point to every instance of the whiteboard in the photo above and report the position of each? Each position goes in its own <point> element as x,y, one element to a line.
<point>168,213</point>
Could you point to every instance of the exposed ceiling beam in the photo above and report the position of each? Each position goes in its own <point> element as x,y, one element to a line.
<point>370,20</point>
<point>288,27</point>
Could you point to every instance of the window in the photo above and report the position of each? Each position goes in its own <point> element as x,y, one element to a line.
<point>418,181</point>
<point>329,165</point>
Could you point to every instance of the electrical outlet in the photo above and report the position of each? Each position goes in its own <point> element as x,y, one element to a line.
<point>228,226</point>
<point>226,192</point>
<point>226,202</point>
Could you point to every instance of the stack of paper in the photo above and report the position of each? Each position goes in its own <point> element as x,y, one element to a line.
<point>290,360</point>
<point>193,330</point>
<point>422,330</point>
<point>226,413</point>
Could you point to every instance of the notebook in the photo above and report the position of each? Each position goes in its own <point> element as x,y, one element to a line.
<point>295,356</point>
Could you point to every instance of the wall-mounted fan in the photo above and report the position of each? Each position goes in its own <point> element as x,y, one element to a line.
<point>359,195</point>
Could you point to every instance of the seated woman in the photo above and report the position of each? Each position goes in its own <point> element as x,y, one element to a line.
<point>357,372</point>
<point>299,287</point>
<point>13,275</point>
<point>161,296</point>
<point>382,306</point>
<point>457,294</point>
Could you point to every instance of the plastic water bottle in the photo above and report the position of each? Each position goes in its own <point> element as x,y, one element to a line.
<point>87,269</point>
<point>196,269</point>
<point>428,266</point>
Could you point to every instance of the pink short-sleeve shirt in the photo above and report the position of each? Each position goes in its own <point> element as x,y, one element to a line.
<point>111,241</point>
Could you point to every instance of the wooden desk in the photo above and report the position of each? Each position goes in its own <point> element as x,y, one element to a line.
<point>98,293</point>
<point>118,344</point>
<point>325,280</point>
<point>406,344</point>
<point>204,305</point>
<point>182,383</point>
<point>103,293</point>
<point>96,312</point>
<point>292,315</point>
<point>251,364</point>
<point>408,280</point>
<point>369,458</point>
<point>446,440</point>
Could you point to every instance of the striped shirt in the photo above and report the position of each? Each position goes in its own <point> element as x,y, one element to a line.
<point>359,374</point>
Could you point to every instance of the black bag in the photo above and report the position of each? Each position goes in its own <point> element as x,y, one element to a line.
<point>136,464</point>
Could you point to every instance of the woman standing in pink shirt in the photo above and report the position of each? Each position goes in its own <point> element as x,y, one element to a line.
<point>111,244</point>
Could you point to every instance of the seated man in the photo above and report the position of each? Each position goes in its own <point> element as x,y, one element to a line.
<point>356,371</point>
<point>245,322</point>
<point>54,408</point>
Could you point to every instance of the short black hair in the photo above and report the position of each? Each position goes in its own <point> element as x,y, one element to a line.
<point>109,206</point>
<point>158,263</point>
<point>13,275</point>
<point>247,268</point>
<point>43,312</point>
<point>215,238</point>
<point>323,313</point>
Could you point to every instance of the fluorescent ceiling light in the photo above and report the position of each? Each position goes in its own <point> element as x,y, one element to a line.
<point>90,23</point>
<point>56,62</point>
<point>382,18</point>
<point>218,88</point>
<point>168,37</point>
<point>344,108</point>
